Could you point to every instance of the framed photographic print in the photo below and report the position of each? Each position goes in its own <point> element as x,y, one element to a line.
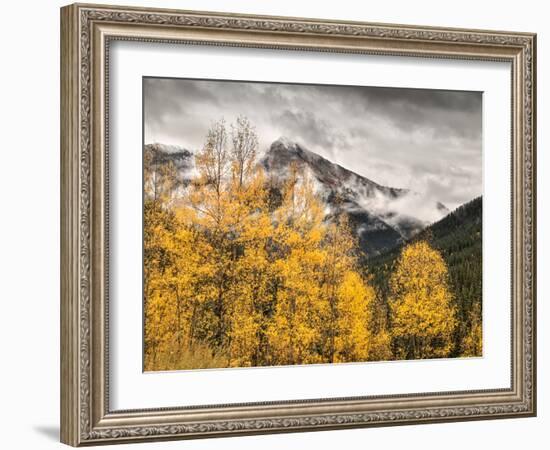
<point>276,224</point>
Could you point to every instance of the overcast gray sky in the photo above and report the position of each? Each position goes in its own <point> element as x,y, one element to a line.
<point>426,140</point>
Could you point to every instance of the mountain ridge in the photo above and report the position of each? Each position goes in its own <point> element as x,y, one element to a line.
<point>376,211</point>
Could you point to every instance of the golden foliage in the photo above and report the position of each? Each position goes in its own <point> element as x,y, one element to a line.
<point>236,276</point>
<point>472,344</point>
<point>423,318</point>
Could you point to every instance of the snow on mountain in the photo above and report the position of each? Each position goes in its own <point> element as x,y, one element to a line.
<point>382,216</point>
<point>182,159</point>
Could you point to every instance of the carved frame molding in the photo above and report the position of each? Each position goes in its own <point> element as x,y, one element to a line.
<point>86,31</point>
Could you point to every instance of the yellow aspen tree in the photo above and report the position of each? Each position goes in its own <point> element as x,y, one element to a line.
<point>210,197</point>
<point>348,298</point>
<point>160,225</point>
<point>251,231</point>
<point>380,346</point>
<point>294,330</point>
<point>472,343</point>
<point>353,336</point>
<point>244,149</point>
<point>229,199</point>
<point>337,246</point>
<point>192,276</point>
<point>423,317</point>
<point>159,302</point>
<point>175,293</point>
<point>249,293</point>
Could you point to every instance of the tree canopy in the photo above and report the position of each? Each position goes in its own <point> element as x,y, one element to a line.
<point>243,269</point>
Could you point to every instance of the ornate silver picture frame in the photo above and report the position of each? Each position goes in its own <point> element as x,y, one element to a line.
<point>87,33</point>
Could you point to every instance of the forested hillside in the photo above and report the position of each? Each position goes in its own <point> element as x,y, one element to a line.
<point>458,237</point>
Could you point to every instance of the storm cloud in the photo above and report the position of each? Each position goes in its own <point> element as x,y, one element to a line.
<point>426,140</point>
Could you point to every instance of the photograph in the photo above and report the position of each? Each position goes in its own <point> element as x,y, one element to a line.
<point>291,224</point>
